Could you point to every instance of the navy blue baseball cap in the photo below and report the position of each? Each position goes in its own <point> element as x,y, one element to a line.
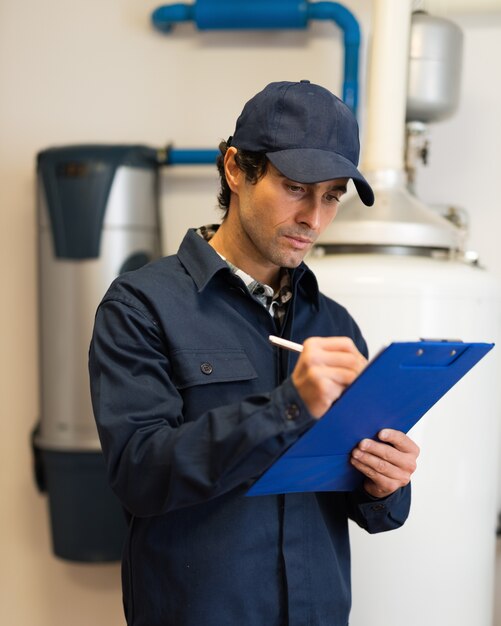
<point>308,134</point>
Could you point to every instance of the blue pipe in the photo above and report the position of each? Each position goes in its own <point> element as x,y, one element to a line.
<point>234,14</point>
<point>165,17</point>
<point>351,33</point>
<point>251,14</point>
<point>186,156</point>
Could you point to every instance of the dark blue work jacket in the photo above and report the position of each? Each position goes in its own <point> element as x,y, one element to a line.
<point>192,404</point>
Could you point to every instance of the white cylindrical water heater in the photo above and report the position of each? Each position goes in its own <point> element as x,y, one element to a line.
<point>439,568</point>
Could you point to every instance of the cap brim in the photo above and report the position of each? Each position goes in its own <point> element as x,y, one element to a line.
<point>311,165</point>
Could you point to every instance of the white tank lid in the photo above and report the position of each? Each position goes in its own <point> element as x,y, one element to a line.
<point>397,218</point>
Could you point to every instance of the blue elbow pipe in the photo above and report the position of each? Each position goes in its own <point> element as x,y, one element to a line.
<point>258,14</point>
<point>165,17</point>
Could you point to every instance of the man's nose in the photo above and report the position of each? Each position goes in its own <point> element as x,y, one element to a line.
<point>310,212</point>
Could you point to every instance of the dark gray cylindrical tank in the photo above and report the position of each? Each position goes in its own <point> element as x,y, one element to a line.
<point>97,217</point>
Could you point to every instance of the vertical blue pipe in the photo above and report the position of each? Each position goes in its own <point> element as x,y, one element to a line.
<point>351,32</point>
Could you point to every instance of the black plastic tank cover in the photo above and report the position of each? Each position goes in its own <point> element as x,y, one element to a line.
<point>77,182</point>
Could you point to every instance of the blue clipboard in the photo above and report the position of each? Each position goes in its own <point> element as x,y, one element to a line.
<point>395,390</point>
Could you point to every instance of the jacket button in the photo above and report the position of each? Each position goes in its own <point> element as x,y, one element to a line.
<point>292,411</point>
<point>206,368</point>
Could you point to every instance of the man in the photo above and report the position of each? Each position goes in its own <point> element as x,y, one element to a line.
<point>193,404</point>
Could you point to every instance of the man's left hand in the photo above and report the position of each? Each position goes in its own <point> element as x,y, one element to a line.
<point>388,463</point>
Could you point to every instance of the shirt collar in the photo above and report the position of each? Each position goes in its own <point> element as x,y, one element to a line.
<point>260,290</point>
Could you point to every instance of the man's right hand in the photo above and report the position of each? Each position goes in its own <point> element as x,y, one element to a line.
<point>326,366</point>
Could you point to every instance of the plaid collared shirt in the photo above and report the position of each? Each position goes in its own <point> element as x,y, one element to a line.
<point>274,302</point>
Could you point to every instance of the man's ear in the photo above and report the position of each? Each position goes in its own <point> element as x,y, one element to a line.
<point>234,174</point>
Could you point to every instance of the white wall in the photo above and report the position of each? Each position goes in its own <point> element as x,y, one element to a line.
<point>97,72</point>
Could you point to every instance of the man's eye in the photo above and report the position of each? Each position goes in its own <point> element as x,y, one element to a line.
<point>295,188</point>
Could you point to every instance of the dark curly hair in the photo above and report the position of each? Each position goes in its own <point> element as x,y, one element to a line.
<point>253,164</point>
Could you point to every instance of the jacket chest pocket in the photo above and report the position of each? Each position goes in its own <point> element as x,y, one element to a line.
<point>193,367</point>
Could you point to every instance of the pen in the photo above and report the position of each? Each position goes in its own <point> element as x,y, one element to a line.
<point>285,343</point>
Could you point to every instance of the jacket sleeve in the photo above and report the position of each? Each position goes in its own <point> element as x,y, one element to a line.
<point>377,515</point>
<point>157,461</point>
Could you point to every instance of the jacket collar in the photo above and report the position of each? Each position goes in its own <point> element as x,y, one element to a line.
<point>199,259</point>
<point>202,263</point>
